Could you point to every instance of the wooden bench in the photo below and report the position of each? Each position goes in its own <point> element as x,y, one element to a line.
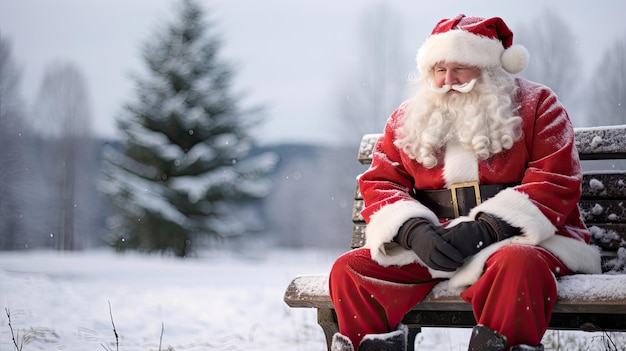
<point>585,302</point>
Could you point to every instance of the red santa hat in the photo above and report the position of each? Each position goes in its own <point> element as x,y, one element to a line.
<point>475,41</point>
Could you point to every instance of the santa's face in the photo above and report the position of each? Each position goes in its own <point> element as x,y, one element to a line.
<point>452,73</point>
<point>468,106</point>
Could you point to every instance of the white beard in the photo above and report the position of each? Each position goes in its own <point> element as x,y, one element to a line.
<point>482,121</point>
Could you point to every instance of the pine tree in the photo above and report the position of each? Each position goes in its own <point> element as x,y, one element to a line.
<point>184,172</point>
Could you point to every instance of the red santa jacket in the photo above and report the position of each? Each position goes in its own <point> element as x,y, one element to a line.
<point>544,162</point>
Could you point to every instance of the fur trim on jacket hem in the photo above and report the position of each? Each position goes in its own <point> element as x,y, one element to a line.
<point>510,205</point>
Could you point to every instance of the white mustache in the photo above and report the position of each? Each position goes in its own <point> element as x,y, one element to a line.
<point>461,88</point>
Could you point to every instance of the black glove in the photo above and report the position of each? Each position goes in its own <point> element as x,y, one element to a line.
<point>421,236</point>
<point>472,236</point>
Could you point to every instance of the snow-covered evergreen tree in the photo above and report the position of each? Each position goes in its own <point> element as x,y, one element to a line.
<point>184,172</point>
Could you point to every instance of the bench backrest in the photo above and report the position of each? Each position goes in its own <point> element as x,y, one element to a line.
<point>603,200</point>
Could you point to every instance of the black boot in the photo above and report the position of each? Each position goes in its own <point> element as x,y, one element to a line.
<point>341,343</point>
<point>392,341</point>
<point>485,339</point>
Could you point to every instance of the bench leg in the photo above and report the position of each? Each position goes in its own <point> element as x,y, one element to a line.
<point>413,331</point>
<point>327,319</point>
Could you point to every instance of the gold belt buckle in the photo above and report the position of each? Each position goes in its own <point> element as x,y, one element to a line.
<point>455,203</point>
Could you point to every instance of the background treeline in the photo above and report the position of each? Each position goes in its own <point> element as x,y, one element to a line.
<point>52,163</point>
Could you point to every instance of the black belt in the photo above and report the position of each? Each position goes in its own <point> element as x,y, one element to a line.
<point>459,199</point>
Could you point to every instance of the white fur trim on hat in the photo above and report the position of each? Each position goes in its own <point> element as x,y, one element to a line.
<point>467,48</point>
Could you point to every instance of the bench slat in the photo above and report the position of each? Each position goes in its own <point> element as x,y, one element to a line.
<point>592,143</point>
<point>586,321</point>
<point>603,210</point>
<point>604,185</point>
<point>596,143</point>
<point>367,147</point>
<point>358,235</point>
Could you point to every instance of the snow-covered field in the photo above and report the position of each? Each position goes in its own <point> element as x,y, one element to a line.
<point>61,302</point>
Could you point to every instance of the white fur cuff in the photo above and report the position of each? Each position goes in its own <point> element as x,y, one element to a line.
<point>515,208</point>
<point>383,227</point>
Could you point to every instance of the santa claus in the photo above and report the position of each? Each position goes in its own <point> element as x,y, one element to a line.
<point>476,179</point>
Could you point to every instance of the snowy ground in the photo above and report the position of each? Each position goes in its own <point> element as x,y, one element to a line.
<point>61,302</point>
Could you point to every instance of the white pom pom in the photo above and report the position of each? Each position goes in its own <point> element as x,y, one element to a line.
<point>515,59</point>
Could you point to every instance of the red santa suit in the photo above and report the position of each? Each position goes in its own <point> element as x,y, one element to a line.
<point>510,284</point>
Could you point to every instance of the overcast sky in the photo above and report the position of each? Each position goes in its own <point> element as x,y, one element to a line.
<point>290,53</point>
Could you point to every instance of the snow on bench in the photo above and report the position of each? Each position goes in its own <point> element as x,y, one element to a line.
<point>607,291</point>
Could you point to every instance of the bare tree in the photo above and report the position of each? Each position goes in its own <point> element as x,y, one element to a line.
<point>11,104</point>
<point>63,107</point>
<point>606,100</point>
<point>63,117</point>
<point>378,85</point>
<point>11,112</point>
<point>554,60</point>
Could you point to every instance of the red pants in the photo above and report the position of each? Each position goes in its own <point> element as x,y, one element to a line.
<point>514,296</point>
